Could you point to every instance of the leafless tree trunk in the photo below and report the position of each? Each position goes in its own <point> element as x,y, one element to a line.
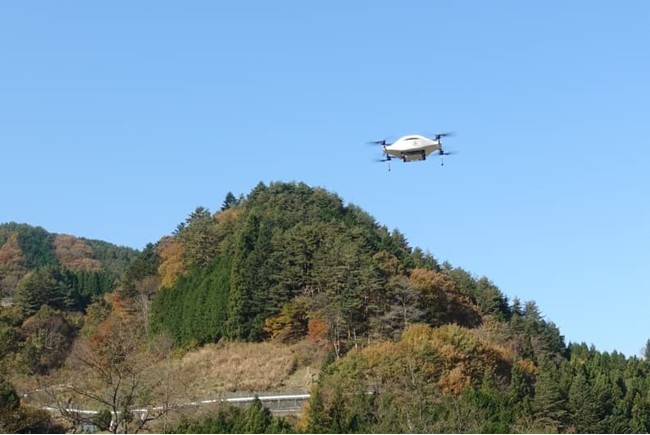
<point>114,371</point>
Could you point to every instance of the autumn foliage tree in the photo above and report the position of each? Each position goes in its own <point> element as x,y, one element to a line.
<point>114,370</point>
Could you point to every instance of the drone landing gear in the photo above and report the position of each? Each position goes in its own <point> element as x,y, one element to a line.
<point>424,155</point>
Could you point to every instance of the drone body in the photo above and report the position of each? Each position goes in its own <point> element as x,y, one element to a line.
<point>413,147</point>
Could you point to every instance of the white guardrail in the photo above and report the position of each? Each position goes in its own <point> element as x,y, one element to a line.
<point>275,402</point>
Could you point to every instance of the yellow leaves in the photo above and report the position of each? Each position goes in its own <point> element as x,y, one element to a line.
<point>528,366</point>
<point>417,334</point>
<point>378,354</point>
<point>467,358</point>
<point>228,214</point>
<point>384,361</point>
<point>451,357</point>
<point>454,381</point>
<point>442,301</point>
<point>457,338</point>
<point>171,266</point>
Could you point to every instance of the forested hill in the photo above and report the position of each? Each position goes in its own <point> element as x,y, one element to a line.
<point>290,261</point>
<point>84,267</point>
<point>414,346</point>
<point>440,349</point>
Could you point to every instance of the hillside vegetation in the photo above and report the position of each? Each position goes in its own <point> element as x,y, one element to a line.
<point>282,280</point>
<point>49,280</point>
<point>92,265</point>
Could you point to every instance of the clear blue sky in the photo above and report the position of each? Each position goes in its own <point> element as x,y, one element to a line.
<point>118,118</point>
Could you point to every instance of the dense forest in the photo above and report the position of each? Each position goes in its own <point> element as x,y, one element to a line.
<point>412,345</point>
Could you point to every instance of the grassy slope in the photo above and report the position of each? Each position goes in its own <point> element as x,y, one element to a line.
<point>215,370</point>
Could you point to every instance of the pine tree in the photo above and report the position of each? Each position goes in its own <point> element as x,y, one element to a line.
<point>550,402</point>
<point>257,418</point>
<point>229,201</point>
<point>583,406</point>
<point>242,282</point>
<point>199,237</point>
<point>46,286</point>
<point>318,420</point>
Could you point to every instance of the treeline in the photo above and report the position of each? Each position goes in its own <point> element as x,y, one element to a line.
<point>61,289</point>
<point>24,249</point>
<point>49,281</point>
<point>231,419</point>
<point>404,388</point>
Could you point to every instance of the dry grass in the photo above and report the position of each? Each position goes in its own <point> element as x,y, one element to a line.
<point>214,370</point>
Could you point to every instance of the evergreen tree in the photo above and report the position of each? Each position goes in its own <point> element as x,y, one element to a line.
<point>242,282</point>
<point>550,402</point>
<point>521,389</point>
<point>257,418</point>
<point>318,420</point>
<point>583,407</point>
<point>46,286</point>
<point>199,237</point>
<point>37,246</point>
<point>9,400</point>
<point>229,201</point>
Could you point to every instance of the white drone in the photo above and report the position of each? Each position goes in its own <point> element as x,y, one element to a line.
<point>414,147</point>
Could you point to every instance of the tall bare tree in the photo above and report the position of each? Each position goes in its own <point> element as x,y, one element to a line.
<point>114,370</point>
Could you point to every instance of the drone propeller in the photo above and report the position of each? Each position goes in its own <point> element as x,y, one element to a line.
<point>442,152</point>
<point>382,142</point>
<point>440,135</point>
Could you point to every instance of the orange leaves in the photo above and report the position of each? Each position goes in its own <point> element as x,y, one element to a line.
<point>171,266</point>
<point>291,323</point>
<point>318,331</point>
<point>115,342</point>
<point>431,281</point>
<point>11,256</point>
<point>75,254</point>
<point>467,359</point>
